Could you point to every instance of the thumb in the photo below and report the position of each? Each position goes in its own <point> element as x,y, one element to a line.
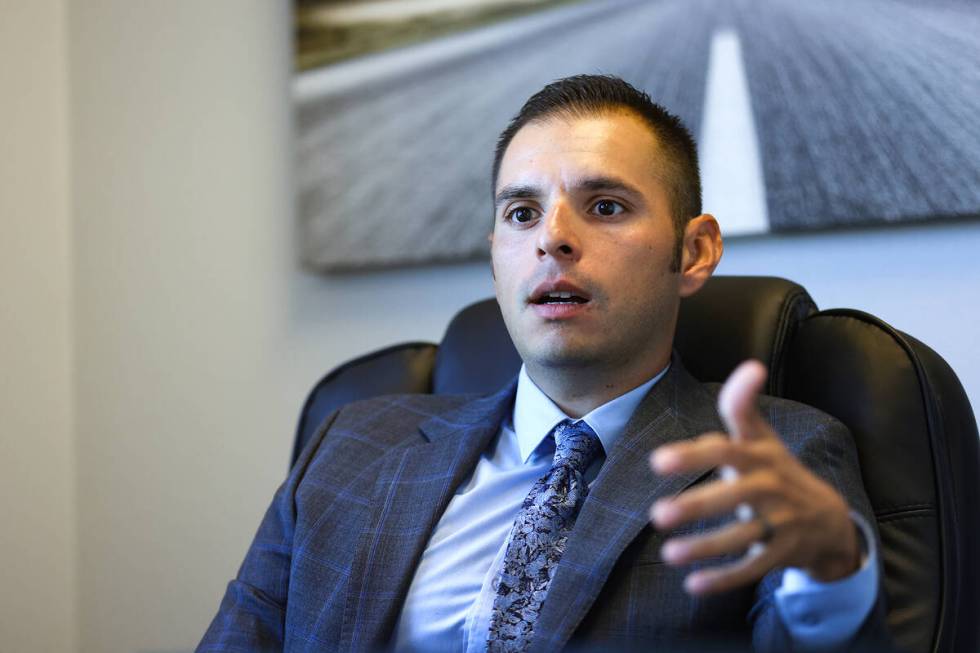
<point>737,401</point>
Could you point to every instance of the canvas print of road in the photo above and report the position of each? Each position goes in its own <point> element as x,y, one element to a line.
<point>809,115</point>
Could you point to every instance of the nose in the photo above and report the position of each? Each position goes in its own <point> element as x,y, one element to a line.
<point>558,237</point>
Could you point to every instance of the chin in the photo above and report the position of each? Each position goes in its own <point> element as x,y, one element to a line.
<point>565,357</point>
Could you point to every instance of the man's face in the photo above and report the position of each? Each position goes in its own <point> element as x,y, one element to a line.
<point>582,245</point>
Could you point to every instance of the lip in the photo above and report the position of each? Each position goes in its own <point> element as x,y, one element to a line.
<point>558,311</point>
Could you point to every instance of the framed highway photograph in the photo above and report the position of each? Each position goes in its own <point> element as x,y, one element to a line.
<point>807,115</point>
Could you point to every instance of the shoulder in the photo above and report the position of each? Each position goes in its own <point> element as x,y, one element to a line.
<point>366,430</point>
<point>400,412</point>
<point>391,419</point>
<point>794,421</point>
<point>358,436</point>
<point>802,426</point>
<point>817,439</point>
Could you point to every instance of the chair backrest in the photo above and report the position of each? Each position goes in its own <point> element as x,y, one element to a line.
<point>915,431</point>
<point>916,437</point>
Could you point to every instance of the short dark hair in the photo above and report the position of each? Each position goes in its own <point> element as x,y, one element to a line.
<point>590,95</point>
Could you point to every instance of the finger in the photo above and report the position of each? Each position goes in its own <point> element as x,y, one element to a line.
<point>704,452</point>
<point>712,499</point>
<point>734,538</point>
<point>737,402</point>
<point>747,569</point>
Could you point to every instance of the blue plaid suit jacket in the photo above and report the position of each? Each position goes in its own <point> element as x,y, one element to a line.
<point>333,558</point>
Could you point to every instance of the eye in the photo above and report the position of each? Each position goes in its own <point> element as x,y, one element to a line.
<point>608,208</point>
<point>521,214</point>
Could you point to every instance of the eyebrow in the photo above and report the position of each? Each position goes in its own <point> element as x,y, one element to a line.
<point>526,191</point>
<point>607,183</point>
<point>516,191</point>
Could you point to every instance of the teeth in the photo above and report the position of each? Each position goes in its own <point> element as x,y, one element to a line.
<point>560,295</point>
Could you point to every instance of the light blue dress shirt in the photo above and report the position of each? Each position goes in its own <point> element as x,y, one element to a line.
<point>450,600</point>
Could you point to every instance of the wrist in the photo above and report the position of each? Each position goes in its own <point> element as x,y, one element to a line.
<point>842,562</point>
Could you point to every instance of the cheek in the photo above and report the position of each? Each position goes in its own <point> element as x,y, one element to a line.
<point>504,279</point>
<point>645,269</point>
<point>504,261</point>
<point>654,255</point>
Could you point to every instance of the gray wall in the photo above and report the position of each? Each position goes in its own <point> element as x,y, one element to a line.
<point>164,338</point>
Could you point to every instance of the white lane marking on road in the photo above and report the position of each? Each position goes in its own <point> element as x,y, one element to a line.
<point>731,168</point>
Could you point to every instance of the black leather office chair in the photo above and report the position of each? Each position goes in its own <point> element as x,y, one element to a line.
<point>915,431</point>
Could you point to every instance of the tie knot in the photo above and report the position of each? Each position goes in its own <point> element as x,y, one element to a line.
<point>576,444</point>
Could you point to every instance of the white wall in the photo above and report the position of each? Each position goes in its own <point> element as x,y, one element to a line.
<point>37,546</point>
<point>195,336</point>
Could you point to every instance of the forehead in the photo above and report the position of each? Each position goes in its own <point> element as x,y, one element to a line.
<point>560,149</point>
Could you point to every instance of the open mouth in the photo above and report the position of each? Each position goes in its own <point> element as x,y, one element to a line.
<point>559,297</point>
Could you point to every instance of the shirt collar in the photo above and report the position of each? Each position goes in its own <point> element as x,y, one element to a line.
<point>535,414</point>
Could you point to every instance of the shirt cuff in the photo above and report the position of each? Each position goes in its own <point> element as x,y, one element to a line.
<point>821,616</point>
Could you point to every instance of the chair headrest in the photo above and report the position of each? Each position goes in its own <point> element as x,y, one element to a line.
<point>734,318</point>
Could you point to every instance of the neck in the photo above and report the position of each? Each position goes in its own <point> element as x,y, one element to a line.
<point>578,391</point>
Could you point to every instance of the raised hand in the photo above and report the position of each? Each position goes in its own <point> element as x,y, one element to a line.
<point>788,517</point>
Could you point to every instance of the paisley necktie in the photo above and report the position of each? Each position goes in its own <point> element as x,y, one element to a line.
<point>538,538</point>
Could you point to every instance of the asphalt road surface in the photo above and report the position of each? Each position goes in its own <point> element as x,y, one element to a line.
<point>865,111</point>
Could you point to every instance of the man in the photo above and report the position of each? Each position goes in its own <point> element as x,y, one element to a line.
<point>536,518</point>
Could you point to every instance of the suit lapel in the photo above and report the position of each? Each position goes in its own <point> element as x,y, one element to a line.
<point>617,507</point>
<point>411,493</point>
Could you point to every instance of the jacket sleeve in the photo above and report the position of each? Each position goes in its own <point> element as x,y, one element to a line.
<point>252,614</point>
<point>826,447</point>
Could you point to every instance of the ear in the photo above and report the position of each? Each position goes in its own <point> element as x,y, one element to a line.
<point>700,252</point>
